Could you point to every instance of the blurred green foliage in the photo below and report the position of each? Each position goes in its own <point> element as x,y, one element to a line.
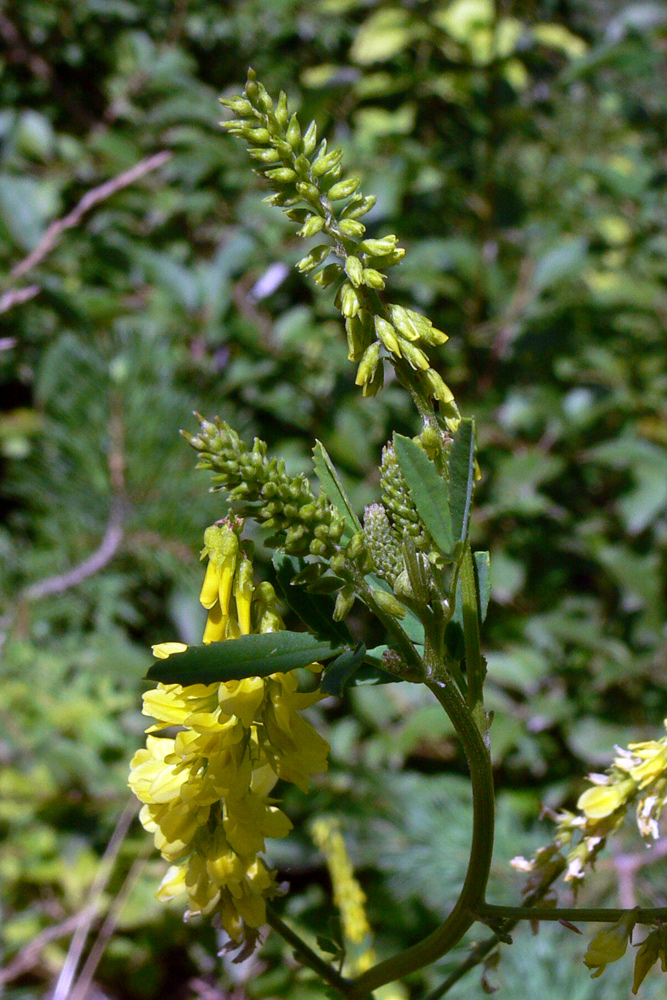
<point>519,154</point>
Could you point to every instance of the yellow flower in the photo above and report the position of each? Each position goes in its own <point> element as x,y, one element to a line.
<point>653,758</point>
<point>609,945</point>
<point>205,790</point>
<point>601,801</point>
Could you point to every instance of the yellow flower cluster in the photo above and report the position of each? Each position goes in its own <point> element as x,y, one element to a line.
<point>348,895</point>
<point>206,789</point>
<point>637,778</point>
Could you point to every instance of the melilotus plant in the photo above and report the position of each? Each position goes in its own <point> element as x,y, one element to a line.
<point>236,700</point>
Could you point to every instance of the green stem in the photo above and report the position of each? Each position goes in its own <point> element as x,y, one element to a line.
<point>484,948</point>
<point>474,662</point>
<point>308,956</point>
<point>649,915</point>
<point>471,898</point>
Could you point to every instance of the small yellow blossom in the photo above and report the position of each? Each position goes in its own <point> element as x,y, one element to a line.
<point>609,945</point>
<point>601,801</point>
<point>205,790</point>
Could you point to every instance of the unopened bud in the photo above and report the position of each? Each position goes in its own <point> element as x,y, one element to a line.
<point>316,256</point>
<point>373,278</point>
<point>378,248</point>
<point>343,189</point>
<point>354,270</point>
<point>281,175</point>
<point>259,136</point>
<point>293,134</point>
<point>414,355</point>
<point>389,604</point>
<point>351,228</point>
<point>369,363</point>
<point>328,275</point>
<point>310,139</point>
<point>281,109</point>
<point>358,206</point>
<point>311,227</point>
<point>349,300</point>
<point>344,603</point>
<point>387,335</point>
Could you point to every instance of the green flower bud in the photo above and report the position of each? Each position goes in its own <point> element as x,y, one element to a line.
<point>265,155</point>
<point>310,139</point>
<point>281,175</point>
<point>328,275</point>
<point>349,300</point>
<point>387,335</point>
<point>258,136</point>
<point>344,602</point>
<point>281,112</point>
<point>389,604</point>
<point>357,334</point>
<point>344,188</point>
<point>324,162</point>
<point>351,228</point>
<point>402,586</point>
<point>373,387</point>
<point>308,191</point>
<point>251,88</point>
<point>414,355</point>
<point>356,545</point>
<point>293,133</point>
<point>312,226</point>
<point>439,390</point>
<point>238,105</point>
<point>369,363</point>
<point>402,320</point>
<point>358,206</point>
<point>316,256</point>
<point>318,548</point>
<point>378,248</point>
<point>354,270</point>
<point>373,278</point>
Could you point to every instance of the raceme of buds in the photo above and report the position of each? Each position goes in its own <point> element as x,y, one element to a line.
<point>383,543</point>
<point>302,523</point>
<point>396,497</point>
<point>301,172</point>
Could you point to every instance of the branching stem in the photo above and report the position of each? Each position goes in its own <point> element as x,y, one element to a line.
<point>471,898</point>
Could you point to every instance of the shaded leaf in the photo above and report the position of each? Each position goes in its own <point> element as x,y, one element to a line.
<point>339,673</point>
<point>314,609</point>
<point>483,581</point>
<point>248,656</point>
<point>333,488</point>
<point>462,477</point>
<point>428,490</point>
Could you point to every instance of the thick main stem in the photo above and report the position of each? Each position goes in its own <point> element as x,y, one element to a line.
<point>463,915</point>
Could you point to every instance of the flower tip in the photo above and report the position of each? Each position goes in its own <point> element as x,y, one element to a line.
<point>163,650</point>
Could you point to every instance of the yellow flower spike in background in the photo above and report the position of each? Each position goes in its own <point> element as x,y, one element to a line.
<point>205,791</point>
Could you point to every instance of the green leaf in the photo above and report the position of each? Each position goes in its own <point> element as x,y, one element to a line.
<point>462,478</point>
<point>333,488</point>
<point>339,673</point>
<point>248,656</point>
<point>315,610</point>
<point>483,580</point>
<point>428,490</point>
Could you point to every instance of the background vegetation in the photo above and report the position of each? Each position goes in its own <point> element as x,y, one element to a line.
<point>519,154</point>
